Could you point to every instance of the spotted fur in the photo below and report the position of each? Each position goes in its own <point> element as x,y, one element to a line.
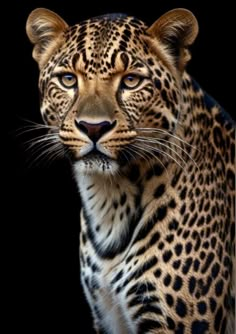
<point>154,159</point>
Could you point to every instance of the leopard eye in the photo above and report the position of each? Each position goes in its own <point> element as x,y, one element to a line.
<point>131,81</point>
<point>68,80</point>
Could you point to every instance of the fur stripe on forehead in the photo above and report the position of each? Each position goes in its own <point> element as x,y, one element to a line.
<point>104,31</point>
<point>95,42</point>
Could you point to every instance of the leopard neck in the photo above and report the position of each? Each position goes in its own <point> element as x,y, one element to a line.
<point>114,207</point>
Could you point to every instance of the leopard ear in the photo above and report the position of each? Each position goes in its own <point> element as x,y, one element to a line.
<point>44,28</point>
<point>176,30</point>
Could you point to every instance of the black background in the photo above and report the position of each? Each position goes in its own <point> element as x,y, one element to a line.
<point>42,204</point>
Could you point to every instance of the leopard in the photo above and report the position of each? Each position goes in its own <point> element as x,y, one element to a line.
<point>153,157</point>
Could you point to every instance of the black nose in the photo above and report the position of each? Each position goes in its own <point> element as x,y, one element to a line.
<point>95,130</point>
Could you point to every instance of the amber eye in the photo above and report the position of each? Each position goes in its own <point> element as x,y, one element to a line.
<point>131,81</point>
<point>68,80</point>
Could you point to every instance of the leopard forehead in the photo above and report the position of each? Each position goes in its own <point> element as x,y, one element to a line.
<point>96,42</point>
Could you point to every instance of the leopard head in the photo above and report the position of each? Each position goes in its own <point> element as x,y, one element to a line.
<point>107,81</point>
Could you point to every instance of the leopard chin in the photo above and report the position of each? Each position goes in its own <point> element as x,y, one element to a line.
<point>96,164</point>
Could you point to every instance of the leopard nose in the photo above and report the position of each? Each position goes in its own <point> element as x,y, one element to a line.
<point>95,130</point>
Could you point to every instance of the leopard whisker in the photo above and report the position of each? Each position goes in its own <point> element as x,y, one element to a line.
<point>33,126</point>
<point>159,141</point>
<point>51,153</point>
<point>182,149</point>
<point>172,150</point>
<point>40,139</point>
<point>42,146</point>
<point>132,149</point>
<point>148,153</point>
<point>163,153</point>
<point>153,130</point>
<point>143,154</point>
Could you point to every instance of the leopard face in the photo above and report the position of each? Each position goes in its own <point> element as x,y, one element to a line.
<point>104,81</point>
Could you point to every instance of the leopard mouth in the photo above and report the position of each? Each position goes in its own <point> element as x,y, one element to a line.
<point>95,154</point>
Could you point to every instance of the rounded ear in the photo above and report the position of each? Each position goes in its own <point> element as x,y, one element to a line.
<point>176,29</point>
<point>43,28</point>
